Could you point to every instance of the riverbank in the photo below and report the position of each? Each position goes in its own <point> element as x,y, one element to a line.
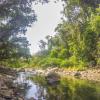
<point>92,74</point>
<point>8,89</point>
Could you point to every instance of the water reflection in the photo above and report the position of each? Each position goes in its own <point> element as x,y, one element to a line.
<point>67,89</point>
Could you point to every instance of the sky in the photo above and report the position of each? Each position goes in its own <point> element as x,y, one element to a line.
<point>48,17</point>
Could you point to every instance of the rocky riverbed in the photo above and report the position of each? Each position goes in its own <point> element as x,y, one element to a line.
<point>8,89</point>
<point>88,74</point>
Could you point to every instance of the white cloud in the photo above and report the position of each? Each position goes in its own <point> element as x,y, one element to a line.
<point>48,16</point>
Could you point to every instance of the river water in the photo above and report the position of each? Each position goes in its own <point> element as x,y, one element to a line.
<point>36,87</point>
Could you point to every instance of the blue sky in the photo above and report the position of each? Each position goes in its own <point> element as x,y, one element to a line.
<point>48,16</point>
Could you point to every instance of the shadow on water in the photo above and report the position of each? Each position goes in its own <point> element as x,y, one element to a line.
<point>37,87</point>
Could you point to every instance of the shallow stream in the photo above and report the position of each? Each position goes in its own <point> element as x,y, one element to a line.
<point>36,87</point>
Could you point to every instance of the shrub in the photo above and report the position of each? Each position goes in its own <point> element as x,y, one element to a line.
<point>66,63</point>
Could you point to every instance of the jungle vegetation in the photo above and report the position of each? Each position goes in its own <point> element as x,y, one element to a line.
<point>75,44</point>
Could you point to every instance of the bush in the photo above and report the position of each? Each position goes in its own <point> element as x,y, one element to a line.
<point>66,63</point>
<point>73,60</point>
<point>54,53</point>
<point>82,64</point>
<point>64,53</point>
<point>50,62</point>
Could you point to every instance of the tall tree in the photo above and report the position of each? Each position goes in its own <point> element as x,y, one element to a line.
<point>15,17</point>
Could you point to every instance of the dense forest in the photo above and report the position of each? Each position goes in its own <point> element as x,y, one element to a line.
<point>75,44</point>
<point>15,17</point>
<point>77,39</point>
<point>67,65</point>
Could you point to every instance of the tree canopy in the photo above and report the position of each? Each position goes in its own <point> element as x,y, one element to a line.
<point>15,17</point>
<point>77,40</point>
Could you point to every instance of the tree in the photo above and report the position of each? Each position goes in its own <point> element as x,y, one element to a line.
<point>42,45</point>
<point>15,17</point>
<point>76,30</point>
<point>77,39</point>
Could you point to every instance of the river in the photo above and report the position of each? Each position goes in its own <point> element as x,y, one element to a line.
<point>35,87</point>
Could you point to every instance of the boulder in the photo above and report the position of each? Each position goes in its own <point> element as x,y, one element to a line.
<point>77,74</point>
<point>52,78</point>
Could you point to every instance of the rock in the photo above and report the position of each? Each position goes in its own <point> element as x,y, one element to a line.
<point>52,78</point>
<point>6,94</point>
<point>77,74</point>
<point>7,71</point>
<point>31,98</point>
<point>4,87</point>
<point>7,88</point>
<point>1,98</point>
<point>20,99</point>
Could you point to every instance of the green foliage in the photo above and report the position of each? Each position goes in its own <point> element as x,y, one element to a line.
<point>54,53</point>
<point>66,63</point>
<point>50,62</point>
<point>15,17</point>
<point>95,21</point>
<point>77,42</point>
<point>64,53</point>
